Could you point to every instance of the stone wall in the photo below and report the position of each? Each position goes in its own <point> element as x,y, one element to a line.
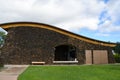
<point>0,58</point>
<point>1,61</point>
<point>26,44</point>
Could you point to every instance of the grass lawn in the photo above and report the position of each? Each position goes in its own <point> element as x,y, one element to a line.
<point>81,72</point>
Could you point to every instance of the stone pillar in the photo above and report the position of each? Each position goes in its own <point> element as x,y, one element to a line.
<point>81,56</point>
<point>111,58</point>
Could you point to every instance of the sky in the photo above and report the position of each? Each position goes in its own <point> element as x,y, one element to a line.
<point>97,19</point>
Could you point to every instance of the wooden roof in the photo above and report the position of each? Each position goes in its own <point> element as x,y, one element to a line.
<point>53,28</point>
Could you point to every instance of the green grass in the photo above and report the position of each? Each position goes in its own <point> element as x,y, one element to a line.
<point>83,72</point>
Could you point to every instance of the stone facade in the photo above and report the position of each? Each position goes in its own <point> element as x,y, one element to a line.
<point>1,61</point>
<point>25,44</point>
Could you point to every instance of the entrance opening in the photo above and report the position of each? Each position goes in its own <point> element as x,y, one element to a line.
<point>65,53</point>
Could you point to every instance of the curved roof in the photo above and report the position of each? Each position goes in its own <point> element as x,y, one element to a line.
<point>46,26</point>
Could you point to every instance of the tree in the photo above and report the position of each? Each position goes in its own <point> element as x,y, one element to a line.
<point>117,52</point>
<point>117,48</point>
<point>2,38</point>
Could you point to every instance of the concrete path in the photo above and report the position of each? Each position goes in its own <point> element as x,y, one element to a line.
<point>11,72</point>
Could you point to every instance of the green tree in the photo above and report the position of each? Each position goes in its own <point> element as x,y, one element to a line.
<point>117,48</point>
<point>2,38</point>
<point>117,52</point>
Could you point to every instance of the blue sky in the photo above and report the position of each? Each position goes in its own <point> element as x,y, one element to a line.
<point>97,19</point>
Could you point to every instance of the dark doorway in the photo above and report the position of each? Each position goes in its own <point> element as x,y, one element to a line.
<point>65,53</point>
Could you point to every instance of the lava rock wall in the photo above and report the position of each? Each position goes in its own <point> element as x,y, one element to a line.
<point>25,44</point>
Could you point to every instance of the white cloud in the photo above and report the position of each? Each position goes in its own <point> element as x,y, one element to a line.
<point>67,14</point>
<point>107,27</point>
<point>110,21</point>
<point>99,18</point>
<point>103,34</point>
<point>76,24</point>
<point>113,9</point>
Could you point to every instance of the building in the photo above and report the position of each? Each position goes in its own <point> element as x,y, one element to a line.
<point>29,42</point>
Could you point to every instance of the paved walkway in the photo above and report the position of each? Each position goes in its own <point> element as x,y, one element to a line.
<point>11,72</point>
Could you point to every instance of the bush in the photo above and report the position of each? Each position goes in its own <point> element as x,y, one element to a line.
<point>117,58</point>
<point>1,65</point>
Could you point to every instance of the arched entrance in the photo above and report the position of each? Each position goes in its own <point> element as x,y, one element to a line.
<point>65,53</point>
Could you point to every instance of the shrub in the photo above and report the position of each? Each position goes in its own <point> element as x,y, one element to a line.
<point>1,65</point>
<point>117,58</point>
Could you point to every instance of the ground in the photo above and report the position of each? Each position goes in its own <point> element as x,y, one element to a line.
<point>11,72</point>
<point>74,72</point>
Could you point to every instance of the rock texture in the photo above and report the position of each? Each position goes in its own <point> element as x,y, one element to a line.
<point>26,44</point>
